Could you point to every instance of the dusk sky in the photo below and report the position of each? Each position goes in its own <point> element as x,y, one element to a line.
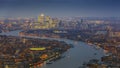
<point>59,8</point>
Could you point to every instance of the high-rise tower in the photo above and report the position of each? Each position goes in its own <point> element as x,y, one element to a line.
<point>41,18</point>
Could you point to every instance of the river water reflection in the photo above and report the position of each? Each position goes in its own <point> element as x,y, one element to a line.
<point>75,57</point>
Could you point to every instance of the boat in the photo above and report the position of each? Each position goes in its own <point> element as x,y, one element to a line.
<point>50,62</point>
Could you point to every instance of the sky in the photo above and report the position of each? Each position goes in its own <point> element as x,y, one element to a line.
<point>60,8</point>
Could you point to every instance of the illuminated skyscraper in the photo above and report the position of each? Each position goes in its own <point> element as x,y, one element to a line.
<point>47,18</point>
<point>41,18</point>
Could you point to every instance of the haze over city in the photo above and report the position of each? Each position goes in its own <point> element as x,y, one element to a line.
<point>60,8</point>
<point>59,34</point>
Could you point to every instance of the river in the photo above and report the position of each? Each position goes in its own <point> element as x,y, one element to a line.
<point>75,57</point>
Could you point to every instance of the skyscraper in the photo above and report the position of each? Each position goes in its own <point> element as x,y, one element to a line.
<point>41,18</point>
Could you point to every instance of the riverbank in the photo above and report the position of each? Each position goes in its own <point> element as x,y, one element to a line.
<point>54,33</point>
<point>110,45</point>
<point>75,57</point>
<point>22,51</point>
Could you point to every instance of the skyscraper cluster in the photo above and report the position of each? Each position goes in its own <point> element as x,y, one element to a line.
<point>45,22</point>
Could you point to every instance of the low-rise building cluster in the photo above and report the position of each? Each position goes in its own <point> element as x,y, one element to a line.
<point>24,52</point>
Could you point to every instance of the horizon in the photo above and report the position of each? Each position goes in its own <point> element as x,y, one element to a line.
<point>16,17</point>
